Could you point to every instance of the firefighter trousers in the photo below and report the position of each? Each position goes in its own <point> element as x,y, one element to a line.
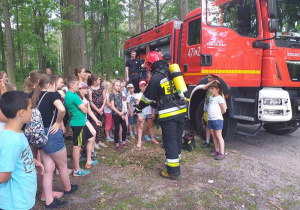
<point>172,138</point>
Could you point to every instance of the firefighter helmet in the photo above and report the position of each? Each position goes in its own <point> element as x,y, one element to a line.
<point>152,57</point>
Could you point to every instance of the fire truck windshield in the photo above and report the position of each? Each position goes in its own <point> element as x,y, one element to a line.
<point>288,15</point>
<point>239,15</point>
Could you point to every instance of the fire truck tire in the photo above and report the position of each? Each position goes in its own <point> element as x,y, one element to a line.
<point>270,128</point>
<point>229,125</point>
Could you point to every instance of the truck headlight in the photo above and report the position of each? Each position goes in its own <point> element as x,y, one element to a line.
<point>273,112</point>
<point>272,101</point>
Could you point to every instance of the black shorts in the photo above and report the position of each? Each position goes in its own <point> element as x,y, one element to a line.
<point>80,135</point>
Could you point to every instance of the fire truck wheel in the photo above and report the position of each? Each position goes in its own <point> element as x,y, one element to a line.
<point>271,128</point>
<point>229,125</point>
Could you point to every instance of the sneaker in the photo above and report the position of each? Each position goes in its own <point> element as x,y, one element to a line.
<point>132,136</point>
<point>127,140</point>
<point>56,204</point>
<point>127,134</point>
<point>166,175</point>
<point>101,144</point>
<point>92,163</point>
<point>81,172</point>
<point>54,194</point>
<point>120,148</point>
<point>94,155</point>
<point>74,188</point>
<point>205,145</point>
<point>147,138</point>
<point>109,139</point>
<point>220,156</point>
<point>97,147</point>
<point>155,136</point>
<point>214,153</point>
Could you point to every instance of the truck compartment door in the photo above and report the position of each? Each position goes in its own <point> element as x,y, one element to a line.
<point>228,28</point>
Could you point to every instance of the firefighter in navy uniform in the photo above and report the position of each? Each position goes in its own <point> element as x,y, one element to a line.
<point>171,111</point>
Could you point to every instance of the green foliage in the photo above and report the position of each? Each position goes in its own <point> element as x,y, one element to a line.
<point>38,26</point>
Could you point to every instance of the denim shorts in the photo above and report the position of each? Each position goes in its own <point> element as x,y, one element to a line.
<point>146,116</point>
<point>215,124</point>
<point>55,142</point>
<point>132,120</point>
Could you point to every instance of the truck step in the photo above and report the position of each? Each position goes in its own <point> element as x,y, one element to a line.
<point>244,100</point>
<point>242,117</point>
<point>248,134</point>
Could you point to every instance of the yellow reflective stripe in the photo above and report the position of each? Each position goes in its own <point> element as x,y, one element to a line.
<point>173,164</point>
<point>147,99</point>
<point>170,114</point>
<point>146,102</point>
<point>229,71</point>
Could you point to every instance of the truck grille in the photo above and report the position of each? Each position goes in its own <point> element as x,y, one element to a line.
<point>294,70</point>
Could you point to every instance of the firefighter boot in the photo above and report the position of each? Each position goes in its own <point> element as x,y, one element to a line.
<point>165,174</point>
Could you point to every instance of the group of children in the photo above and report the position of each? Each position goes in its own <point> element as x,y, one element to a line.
<point>86,105</point>
<point>89,107</point>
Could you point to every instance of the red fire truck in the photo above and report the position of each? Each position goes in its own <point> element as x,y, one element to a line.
<point>254,48</point>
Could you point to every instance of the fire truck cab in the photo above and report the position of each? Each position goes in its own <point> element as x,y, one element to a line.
<point>253,46</point>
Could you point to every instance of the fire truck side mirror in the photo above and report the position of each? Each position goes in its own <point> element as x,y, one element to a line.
<point>272,9</point>
<point>273,24</point>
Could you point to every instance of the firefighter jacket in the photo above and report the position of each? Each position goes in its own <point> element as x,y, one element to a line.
<point>158,94</point>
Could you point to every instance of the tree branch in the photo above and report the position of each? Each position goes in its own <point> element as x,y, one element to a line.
<point>163,6</point>
<point>149,2</point>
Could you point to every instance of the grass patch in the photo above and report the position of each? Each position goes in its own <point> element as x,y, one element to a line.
<point>190,201</point>
<point>107,188</point>
<point>254,186</point>
<point>152,161</point>
<point>129,203</point>
<point>91,184</point>
<point>290,204</point>
<point>206,199</point>
<point>113,159</point>
<point>86,194</point>
<point>160,202</point>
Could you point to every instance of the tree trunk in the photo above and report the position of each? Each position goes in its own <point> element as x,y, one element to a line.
<point>183,9</point>
<point>93,35</point>
<point>3,60</point>
<point>157,12</point>
<point>64,39</point>
<point>20,51</point>
<point>9,44</point>
<point>105,6</point>
<point>142,5</point>
<point>75,37</point>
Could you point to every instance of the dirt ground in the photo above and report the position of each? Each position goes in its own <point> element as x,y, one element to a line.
<point>261,172</point>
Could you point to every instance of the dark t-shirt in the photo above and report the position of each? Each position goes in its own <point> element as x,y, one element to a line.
<point>117,98</point>
<point>47,107</point>
<point>133,65</point>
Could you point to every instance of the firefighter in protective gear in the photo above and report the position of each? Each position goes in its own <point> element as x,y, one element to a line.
<point>171,111</point>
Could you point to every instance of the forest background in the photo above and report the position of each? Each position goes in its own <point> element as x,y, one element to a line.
<point>62,34</point>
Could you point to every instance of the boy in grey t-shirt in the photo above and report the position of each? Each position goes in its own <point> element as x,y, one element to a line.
<point>132,118</point>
